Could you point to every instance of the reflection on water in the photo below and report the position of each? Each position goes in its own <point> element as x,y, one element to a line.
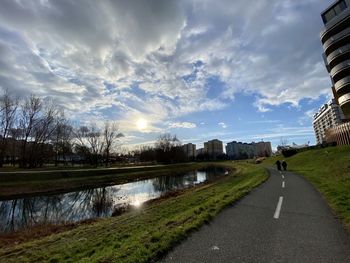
<point>91,203</point>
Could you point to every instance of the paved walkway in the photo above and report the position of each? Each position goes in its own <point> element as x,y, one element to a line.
<point>283,220</point>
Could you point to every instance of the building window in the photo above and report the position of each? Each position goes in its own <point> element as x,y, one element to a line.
<point>339,7</point>
<point>328,16</point>
<point>336,10</point>
<point>347,3</point>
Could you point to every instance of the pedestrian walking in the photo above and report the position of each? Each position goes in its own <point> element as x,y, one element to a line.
<point>278,164</point>
<point>284,165</point>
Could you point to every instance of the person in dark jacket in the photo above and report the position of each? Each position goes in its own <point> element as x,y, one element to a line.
<point>278,163</point>
<point>284,165</point>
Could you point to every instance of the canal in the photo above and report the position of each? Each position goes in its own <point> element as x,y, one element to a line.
<point>23,213</point>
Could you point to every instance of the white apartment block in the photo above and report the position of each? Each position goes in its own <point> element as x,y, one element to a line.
<point>214,148</point>
<point>190,150</point>
<point>242,150</point>
<point>328,116</point>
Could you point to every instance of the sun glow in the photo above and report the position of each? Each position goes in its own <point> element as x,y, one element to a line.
<point>141,124</point>
<point>137,203</point>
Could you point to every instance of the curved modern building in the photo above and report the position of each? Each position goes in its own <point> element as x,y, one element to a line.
<point>335,39</point>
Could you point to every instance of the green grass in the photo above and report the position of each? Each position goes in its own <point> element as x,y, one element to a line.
<point>141,235</point>
<point>52,167</point>
<point>328,169</point>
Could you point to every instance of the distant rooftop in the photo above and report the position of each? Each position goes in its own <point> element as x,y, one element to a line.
<point>324,107</point>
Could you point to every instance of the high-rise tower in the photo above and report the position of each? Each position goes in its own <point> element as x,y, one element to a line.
<point>335,39</point>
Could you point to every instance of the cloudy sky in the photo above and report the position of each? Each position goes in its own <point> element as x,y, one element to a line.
<point>196,68</point>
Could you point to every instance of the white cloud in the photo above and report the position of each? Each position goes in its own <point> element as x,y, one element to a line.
<point>185,125</point>
<point>222,125</point>
<point>152,59</point>
<point>308,117</point>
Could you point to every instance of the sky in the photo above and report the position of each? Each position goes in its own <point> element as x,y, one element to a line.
<point>200,69</point>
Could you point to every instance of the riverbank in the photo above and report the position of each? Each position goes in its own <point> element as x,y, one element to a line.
<point>144,234</point>
<point>19,184</point>
<point>328,169</point>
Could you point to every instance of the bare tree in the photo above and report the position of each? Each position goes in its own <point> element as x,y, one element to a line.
<point>166,141</point>
<point>89,138</point>
<point>29,119</point>
<point>110,137</point>
<point>62,139</point>
<point>8,110</point>
<point>80,143</point>
<point>37,122</point>
<point>168,149</point>
<point>95,142</point>
<point>49,119</point>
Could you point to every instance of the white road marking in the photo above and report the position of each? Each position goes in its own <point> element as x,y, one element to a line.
<point>214,248</point>
<point>283,184</point>
<point>278,208</point>
<point>282,176</point>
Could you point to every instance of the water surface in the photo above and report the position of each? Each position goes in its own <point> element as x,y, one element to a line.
<point>22,213</point>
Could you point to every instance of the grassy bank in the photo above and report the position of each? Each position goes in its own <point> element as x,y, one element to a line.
<point>328,169</point>
<point>26,184</point>
<point>52,167</point>
<point>141,235</point>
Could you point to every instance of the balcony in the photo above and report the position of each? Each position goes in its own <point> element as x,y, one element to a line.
<point>344,99</point>
<point>344,102</point>
<point>337,56</point>
<point>338,72</point>
<point>336,41</point>
<point>342,84</point>
<point>332,26</point>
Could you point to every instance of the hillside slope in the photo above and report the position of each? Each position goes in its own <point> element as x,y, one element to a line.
<point>328,169</point>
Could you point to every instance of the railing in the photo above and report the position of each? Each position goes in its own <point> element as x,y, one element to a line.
<point>341,83</point>
<point>339,67</point>
<point>344,99</point>
<point>337,53</point>
<point>336,38</point>
<point>339,134</point>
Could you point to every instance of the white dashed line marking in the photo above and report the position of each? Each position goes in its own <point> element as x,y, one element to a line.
<point>278,208</point>
<point>282,176</point>
<point>214,248</point>
<point>283,184</point>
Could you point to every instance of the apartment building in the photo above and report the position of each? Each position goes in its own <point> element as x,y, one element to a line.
<point>335,38</point>
<point>328,116</point>
<point>243,150</point>
<point>214,148</point>
<point>189,150</point>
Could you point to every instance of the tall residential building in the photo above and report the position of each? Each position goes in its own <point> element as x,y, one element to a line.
<point>214,148</point>
<point>239,150</point>
<point>328,116</point>
<point>200,151</point>
<point>242,150</point>
<point>190,150</point>
<point>335,39</point>
<point>262,149</point>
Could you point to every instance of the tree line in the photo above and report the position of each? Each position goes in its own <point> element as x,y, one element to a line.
<point>167,149</point>
<point>35,131</point>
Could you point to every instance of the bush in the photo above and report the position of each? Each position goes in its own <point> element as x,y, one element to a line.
<point>289,152</point>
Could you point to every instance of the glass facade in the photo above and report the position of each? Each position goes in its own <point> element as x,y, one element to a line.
<point>335,10</point>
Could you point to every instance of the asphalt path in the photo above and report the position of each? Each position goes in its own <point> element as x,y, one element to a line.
<point>283,220</point>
